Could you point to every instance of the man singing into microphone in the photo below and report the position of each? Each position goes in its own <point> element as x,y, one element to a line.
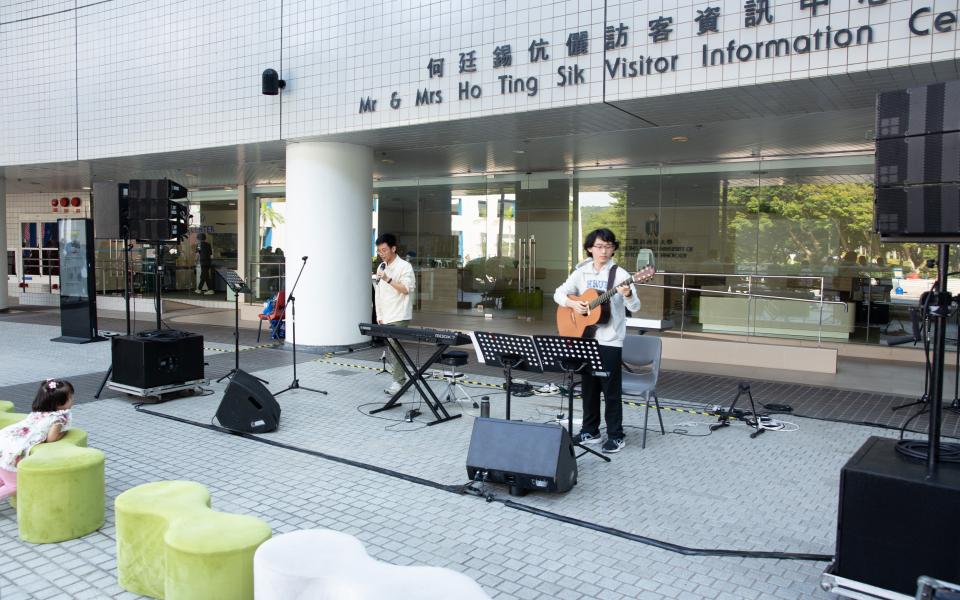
<point>394,283</point>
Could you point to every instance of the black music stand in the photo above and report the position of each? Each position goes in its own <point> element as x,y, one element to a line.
<point>415,378</point>
<point>510,352</point>
<point>571,355</point>
<point>237,286</point>
<point>292,302</point>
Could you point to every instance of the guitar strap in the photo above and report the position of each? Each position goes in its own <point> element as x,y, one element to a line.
<point>591,331</point>
<point>612,277</point>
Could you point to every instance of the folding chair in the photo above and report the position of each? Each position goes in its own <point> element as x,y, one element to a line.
<point>641,368</point>
<point>275,317</point>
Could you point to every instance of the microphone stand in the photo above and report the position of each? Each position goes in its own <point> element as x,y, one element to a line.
<point>292,301</point>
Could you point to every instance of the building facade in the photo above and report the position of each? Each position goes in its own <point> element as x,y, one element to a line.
<point>732,138</point>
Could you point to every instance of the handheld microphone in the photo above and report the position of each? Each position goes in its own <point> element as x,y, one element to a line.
<point>303,258</point>
<point>381,267</point>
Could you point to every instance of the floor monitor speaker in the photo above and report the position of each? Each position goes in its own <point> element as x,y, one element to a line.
<point>894,524</point>
<point>248,406</point>
<point>525,456</point>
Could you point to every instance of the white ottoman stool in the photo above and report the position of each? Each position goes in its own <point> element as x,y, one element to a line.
<point>321,564</point>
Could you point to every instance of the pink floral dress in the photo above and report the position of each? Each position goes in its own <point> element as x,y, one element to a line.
<point>16,440</point>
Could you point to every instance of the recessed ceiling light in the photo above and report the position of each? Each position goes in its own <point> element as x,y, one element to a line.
<point>519,151</point>
<point>679,139</point>
<point>387,161</point>
<point>86,187</point>
<point>189,174</point>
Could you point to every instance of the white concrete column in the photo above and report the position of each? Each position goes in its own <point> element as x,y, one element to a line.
<point>4,301</point>
<point>329,192</point>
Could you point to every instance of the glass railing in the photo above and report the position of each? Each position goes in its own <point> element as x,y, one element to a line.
<point>265,278</point>
<point>785,306</point>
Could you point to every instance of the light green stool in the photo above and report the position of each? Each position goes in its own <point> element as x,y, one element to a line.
<point>172,545</point>
<point>60,487</point>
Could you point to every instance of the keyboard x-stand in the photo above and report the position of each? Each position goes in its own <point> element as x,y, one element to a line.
<point>443,340</point>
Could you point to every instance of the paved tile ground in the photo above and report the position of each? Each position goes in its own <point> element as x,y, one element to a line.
<point>342,471</point>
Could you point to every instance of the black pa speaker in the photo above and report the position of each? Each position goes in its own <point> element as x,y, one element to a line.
<point>924,159</point>
<point>919,110</point>
<point>525,456</point>
<point>894,524</point>
<point>109,210</point>
<point>928,213</point>
<point>156,189</point>
<point>248,406</point>
<point>156,358</point>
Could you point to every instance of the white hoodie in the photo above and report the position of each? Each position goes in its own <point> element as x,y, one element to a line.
<point>585,277</point>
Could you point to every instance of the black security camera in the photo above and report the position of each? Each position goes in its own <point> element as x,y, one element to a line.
<point>272,84</point>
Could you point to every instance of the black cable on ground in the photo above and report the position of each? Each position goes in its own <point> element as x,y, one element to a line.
<point>466,489</point>
<point>684,550</point>
<point>330,457</point>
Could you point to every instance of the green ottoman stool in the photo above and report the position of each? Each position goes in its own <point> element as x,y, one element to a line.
<point>172,545</point>
<point>60,487</point>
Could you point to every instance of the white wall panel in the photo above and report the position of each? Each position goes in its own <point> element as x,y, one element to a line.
<point>38,99</point>
<point>164,75</point>
<point>173,74</point>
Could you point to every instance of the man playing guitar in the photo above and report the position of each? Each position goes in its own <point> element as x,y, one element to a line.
<point>600,273</point>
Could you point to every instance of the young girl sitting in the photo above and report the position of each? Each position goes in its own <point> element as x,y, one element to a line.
<point>48,422</point>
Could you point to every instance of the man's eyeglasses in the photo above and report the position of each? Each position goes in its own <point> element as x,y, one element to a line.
<point>610,247</point>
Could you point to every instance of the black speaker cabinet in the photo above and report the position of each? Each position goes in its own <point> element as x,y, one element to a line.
<point>921,110</point>
<point>109,209</point>
<point>161,189</point>
<point>248,406</point>
<point>895,525</point>
<point>922,159</point>
<point>525,456</point>
<point>928,213</point>
<point>157,358</point>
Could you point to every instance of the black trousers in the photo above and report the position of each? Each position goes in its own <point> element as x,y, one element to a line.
<point>611,386</point>
<point>206,276</point>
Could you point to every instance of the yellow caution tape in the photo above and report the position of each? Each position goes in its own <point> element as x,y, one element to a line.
<point>689,411</point>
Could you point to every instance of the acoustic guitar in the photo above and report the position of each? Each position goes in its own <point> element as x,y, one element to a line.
<point>570,323</point>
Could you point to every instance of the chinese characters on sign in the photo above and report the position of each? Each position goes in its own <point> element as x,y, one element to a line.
<point>538,50</point>
<point>614,61</point>
<point>756,12</point>
<point>707,20</point>
<point>468,62</point>
<point>615,37</point>
<point>660,29</point>
<point>502,57</point>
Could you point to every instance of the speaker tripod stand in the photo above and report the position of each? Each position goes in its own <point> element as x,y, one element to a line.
<point>292,301</point>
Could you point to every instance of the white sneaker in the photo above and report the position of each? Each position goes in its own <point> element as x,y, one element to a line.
<point>393,389</point>
<point>208,292</point>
